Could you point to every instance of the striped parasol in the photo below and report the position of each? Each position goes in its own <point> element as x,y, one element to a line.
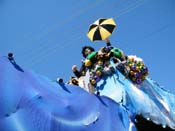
<point>101,29</point>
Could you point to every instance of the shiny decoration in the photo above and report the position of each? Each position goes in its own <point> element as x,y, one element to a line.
<point>138,70</point>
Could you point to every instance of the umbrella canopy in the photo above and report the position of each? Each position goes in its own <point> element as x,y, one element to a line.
<point>101,29</point>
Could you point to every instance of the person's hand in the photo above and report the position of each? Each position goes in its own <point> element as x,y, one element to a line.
<point>74,68</point>
<point>107,40</point>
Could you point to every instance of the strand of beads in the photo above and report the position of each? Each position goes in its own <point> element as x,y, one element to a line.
<point>138,70</point>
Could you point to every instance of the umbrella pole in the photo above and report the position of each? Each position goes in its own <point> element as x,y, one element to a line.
<point>108,42</point>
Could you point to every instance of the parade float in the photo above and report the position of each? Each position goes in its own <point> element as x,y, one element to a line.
<point>112,92</point>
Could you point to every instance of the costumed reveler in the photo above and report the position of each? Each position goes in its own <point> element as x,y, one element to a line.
<point>124,78</point>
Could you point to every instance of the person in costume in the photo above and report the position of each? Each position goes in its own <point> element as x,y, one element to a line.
<point>86,50</point>
<point>88,53</point>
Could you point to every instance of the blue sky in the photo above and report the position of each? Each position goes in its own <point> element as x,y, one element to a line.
<point>46,36</point>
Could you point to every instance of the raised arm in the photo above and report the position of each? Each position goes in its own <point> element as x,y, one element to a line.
<point>108,42</point>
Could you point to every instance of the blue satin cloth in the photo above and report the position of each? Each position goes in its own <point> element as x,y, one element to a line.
<point>148,99</point>
<point>31,102</point>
